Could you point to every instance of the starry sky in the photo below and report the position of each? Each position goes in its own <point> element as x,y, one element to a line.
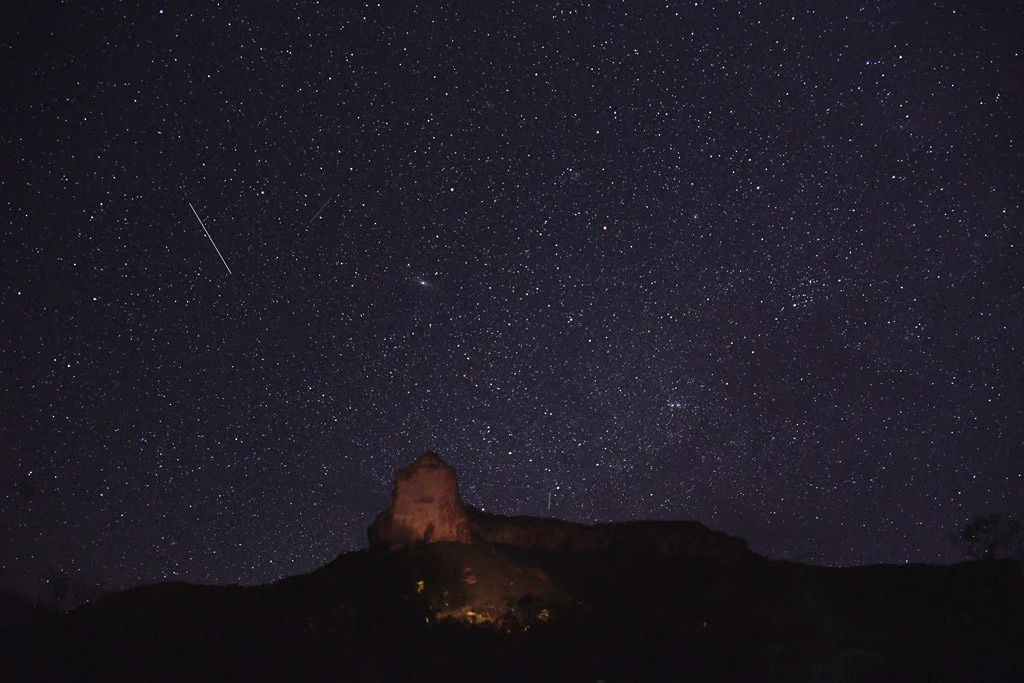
<point>757,264</point>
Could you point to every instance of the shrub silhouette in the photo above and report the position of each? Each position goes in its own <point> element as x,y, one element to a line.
<point>992,536</point>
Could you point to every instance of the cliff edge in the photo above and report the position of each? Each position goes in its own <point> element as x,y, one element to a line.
<point>426,507</point>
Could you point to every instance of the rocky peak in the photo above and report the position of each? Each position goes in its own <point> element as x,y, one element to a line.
<point>425,507</point>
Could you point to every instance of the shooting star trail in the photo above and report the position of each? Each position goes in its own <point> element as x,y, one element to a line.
<point>320,211</point>
<point>209,238</point>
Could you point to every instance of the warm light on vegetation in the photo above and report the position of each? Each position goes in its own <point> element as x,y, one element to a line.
<point>508,620</point>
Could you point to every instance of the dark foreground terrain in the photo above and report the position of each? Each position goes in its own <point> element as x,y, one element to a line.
<point>449,612</point>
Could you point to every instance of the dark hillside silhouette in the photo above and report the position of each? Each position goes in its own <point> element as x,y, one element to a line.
<point>565,602</point>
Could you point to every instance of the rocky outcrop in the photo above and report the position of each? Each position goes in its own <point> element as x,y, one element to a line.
<point>425,508</point>
<point>669,538</point>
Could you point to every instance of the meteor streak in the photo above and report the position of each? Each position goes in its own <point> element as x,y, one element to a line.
<point>321,210</point>
<point>210,238</point>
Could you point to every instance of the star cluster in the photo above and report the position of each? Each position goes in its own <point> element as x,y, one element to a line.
<point>756,264</point>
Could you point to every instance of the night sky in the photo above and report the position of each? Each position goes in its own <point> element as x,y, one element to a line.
<point>754,264</point>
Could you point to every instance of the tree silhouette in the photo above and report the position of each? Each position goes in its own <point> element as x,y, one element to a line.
<point>991,536</point>
<point>57,591</point>
<point>63,592</point>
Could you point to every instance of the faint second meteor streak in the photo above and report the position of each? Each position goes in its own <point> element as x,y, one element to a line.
<point>209,238</point>
<point>321,210</point>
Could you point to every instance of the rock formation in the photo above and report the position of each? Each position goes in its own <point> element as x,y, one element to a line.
<point>666,538</point>
<point>425,508</point>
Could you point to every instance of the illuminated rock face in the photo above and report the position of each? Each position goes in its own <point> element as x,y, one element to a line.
<point>425,508</point>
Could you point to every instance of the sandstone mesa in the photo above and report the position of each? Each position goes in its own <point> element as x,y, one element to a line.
<point>426,507</point>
